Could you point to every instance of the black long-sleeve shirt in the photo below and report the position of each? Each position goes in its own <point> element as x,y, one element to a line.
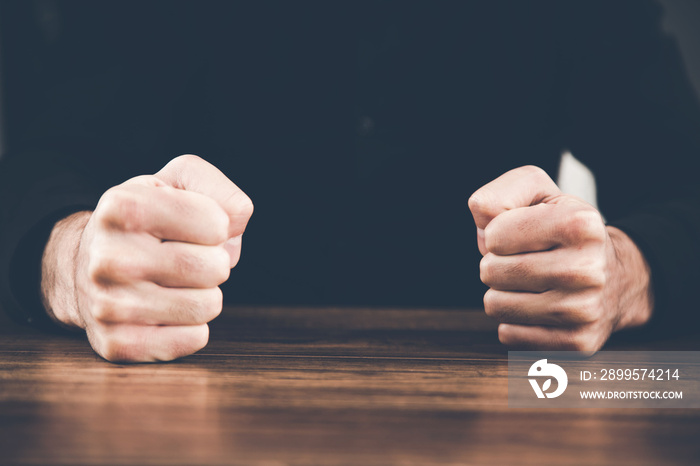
<point>359,129</point>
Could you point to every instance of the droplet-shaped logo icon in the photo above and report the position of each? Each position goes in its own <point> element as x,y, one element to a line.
<point>542,368</point>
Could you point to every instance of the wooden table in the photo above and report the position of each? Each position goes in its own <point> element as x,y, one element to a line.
<point>313,386</point>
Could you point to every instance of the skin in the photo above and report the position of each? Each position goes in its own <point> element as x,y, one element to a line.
<point>558,277</point>
<point>141,273</point>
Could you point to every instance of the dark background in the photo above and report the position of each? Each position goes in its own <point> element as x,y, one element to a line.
<point>682,18</point>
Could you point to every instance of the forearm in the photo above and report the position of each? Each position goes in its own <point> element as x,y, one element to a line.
<point>58,270</point>
<point>630,281</point>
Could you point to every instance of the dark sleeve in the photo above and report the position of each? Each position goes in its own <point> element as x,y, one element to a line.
<point>634,119</point>
<point>89,97</point>
<point>35,192</point>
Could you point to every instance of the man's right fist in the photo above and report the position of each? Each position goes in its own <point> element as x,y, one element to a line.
<point>141,273</point>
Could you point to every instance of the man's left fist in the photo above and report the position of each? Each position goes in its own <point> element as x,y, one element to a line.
<point>559,278</point>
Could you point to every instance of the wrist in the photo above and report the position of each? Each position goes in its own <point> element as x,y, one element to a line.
<point>58,265</point>
<point>630,281</point>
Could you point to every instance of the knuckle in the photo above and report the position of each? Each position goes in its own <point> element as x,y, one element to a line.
<point>214,303</point>
<point>580,341</point>
<point>121,208</point>
<point>201,308</point>
<point>595,278</point>
<point>535,174</point>
<point>195,340</point>
<point>599,275</point>
<point>590,309</point>
<point>486,271</point>
<point>562,309</point>
<point>219,226</point>
<point>224,269</point>
<point>109,199</point>
<point>483,202</point>
<point>100,265</point>
<point>185,160</point>
<point>201,338</point>
<point>106,265</point>
<point>586,273</point>
<point>103,307</point>
<point>246,206</point>
<point>239,207</point>
<point>571,277</point>
<point>476,202</point>
<point>190,158</point>
<point>220,265</point>
<point>534,171</point>
<point>504,336</point>
<point>186,207</point>
<point>492,237</point>
<point>578,315</point>
<point>490,303</point>
<point>584,225</point>
<point>498,308</point>
<point>94,268</point>
<point>114,350</point>
<point>590,272</point>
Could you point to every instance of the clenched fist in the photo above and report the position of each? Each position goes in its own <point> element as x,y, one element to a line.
<point>141,273</point>
<point>559,278</point>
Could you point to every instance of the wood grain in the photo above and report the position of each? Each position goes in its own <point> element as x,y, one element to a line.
<point>328,386</point>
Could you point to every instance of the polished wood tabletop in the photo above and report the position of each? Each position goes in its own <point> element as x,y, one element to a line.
<point>278,386</point>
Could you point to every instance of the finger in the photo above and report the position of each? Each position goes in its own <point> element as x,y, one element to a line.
<point>542,271</point>
<point>193,173</point>
<point>125,259</point>
<point>542,227</point>
<point>165,212</point>
<point>553,308</point>
<point>135,343</point>
<point>146,303</point>
<point>481,241</point>
<point>185,265</point>
<point>233,247</point>
<point>536,337</point>
<point>521,187</point>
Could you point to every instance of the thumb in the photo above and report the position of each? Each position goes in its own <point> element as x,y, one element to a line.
<point>193,173</point>
<point>520,187</point>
